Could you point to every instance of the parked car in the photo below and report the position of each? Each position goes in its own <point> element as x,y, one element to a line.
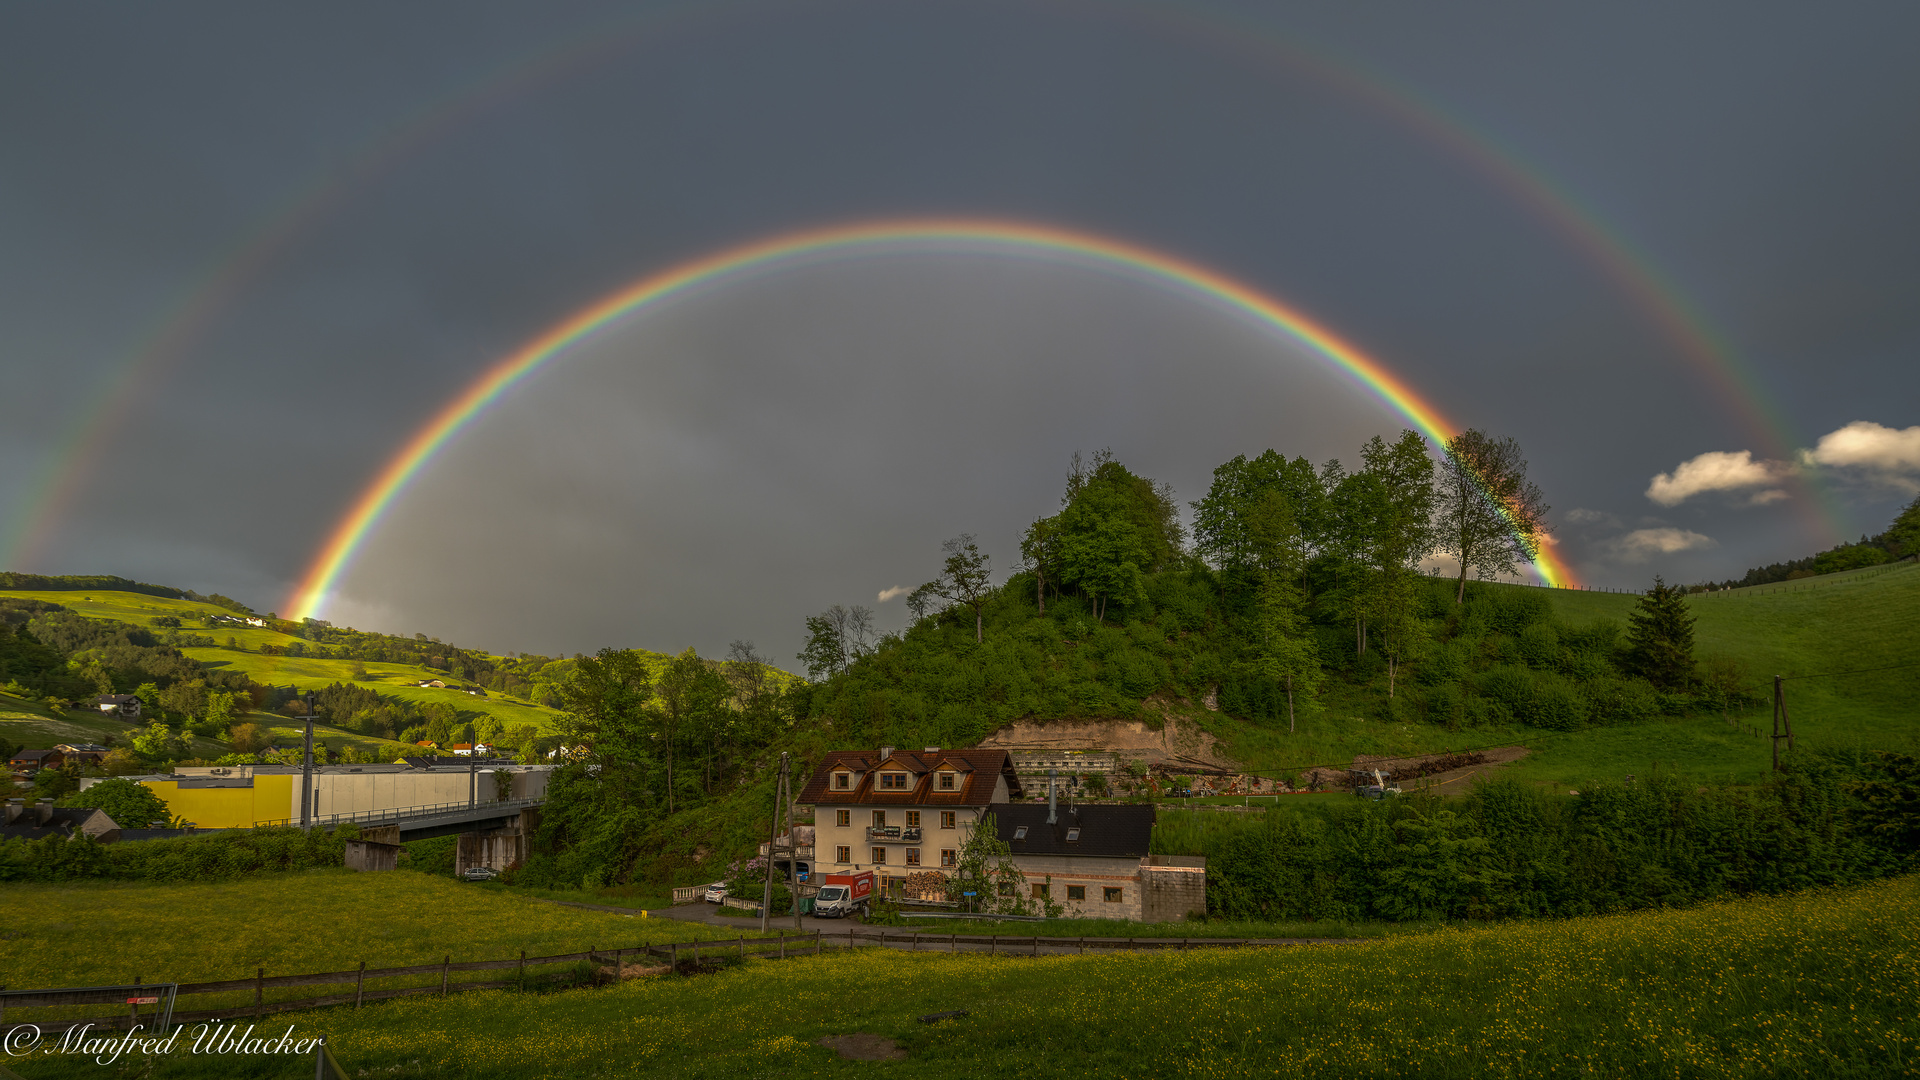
<point>479,873</point>
<point>716,892</point>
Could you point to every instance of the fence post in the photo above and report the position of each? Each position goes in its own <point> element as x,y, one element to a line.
<point>783,944</point>
<point>1083,944</point>
<point>673,954</point>
<point>743,946</point>
<point>360,982</point>
<point>1036,945</point>
<point>953,942</point>
<point>696,951</point>
<point>446,970</point>
<point>259,990</point>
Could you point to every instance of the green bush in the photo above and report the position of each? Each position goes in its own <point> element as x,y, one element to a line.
<point>221,856</point>
<point>1509,849</point>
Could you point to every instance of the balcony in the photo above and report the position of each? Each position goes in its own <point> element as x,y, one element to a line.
<point>898,834</point>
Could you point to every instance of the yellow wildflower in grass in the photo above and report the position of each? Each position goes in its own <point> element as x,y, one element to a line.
<point>1821,984</point>
<point>1817,985</point>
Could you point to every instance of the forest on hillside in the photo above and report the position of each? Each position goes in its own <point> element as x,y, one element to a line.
<point>1297,583</point>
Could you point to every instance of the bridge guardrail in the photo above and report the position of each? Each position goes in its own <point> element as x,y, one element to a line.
<point>402,813</point>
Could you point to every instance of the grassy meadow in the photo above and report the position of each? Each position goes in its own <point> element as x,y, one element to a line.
<point>304,672</point>
<point>1834,623</point>
<point>96,932</point>
<point>1813,985</point>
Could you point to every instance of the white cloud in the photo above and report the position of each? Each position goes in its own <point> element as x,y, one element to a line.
<point>1580,515</point>
<point>1886,454</point>
<point>1642,544</point>
<point>1717,470</point>
<point>897,590</point>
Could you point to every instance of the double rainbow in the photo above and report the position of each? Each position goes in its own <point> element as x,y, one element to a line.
<point>1009,237</point>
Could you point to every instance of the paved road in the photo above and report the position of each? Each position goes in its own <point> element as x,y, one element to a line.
<point>932,938</point>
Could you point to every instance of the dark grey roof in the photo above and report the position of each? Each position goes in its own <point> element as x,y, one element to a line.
<point>461,762</point>
<point>115,699</point>
<point>158,834</point>
<point>1106,830</point>
<point>61,822</point>
<point>33,755</point>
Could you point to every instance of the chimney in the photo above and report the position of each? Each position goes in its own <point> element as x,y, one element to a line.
<point>15,807</point>
<point>44,809</point>
<point>931,750</point>
<point>886,752</point>
<point>1053,810</point>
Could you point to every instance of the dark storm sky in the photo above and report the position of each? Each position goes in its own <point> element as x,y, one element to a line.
<point>447,180</point>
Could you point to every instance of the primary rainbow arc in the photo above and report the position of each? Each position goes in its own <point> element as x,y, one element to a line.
<point>1016,237</point>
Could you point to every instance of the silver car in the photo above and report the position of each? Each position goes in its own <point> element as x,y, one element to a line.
<point>479,873</point>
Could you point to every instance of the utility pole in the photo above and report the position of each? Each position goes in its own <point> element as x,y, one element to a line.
<point>1782,725</point>
<point>780,802</point>
<point>306,770</point>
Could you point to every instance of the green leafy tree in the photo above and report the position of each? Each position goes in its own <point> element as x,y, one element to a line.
<point>690,702</point>
<point>1225,521</point>
<point>130,804</point>
<point>1904,534</point>
<point>966,579</point>
<point>1491,517</point>
<point>836,638</point>
<point>985,868</point>
<point>159,743</point>
<point>1660,637</point>
<point>1396,531</point>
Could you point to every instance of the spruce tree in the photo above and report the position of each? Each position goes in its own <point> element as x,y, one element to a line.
<point>1660,637</point>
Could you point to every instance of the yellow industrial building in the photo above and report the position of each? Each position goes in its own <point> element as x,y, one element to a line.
<point>241,796</point>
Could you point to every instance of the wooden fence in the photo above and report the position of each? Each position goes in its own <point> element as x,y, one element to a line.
<point>782,947</point>
<point>1012,945</point>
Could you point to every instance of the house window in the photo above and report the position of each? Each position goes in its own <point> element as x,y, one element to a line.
<point>946,819</point>
<point>879,819</point>
<point>879,856</point>
<point>1039,891</point>
<point>1076,892</point>
<point>843,854</point>
<point>893,781</point>
<point>842,781</point>
<point>913,819</point>
<point>1006,888</point>
<point>946,781</point>
<point>913,856</point>
<point>949,857</point>
<point>1112,896</point>
<point>843,818</point>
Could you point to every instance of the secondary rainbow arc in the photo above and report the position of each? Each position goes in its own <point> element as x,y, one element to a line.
<point>366,512</point>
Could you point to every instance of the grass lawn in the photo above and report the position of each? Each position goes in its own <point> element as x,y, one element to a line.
<point>306,921</point>
<point>392,680</point>
<point>1835,623</point>
<point>1819,985</point>
<point>305,672</point>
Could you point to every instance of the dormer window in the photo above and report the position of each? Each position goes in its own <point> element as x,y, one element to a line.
<point>1073,834</point>
<point>1020,833</point>
<point>893,781</point>
<point>946,781</point>
<point>842,781</point>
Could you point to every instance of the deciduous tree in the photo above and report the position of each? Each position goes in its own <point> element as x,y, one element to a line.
<point>1490,516</point>
<point>966,578</point>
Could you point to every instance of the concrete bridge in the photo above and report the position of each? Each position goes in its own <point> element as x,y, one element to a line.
<point>436,819</point>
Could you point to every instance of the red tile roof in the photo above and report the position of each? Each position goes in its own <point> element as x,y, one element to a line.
<point>977,769</point>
